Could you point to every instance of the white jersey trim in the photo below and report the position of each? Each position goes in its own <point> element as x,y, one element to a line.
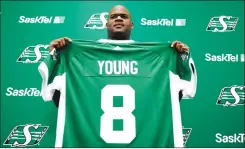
<point>176,114</point>
<point>189,87</point>
<point>47,92</point>
<point>61,113</point>
<point>189,90</point>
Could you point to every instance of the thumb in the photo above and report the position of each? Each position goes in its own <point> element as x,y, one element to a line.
<point>52,45</point>
<point>51,48</point>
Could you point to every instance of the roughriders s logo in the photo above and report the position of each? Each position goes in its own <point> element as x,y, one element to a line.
<point>222,24</point>
<point>186,134</point>
<point>34,54</point>
<point>231,96</point>
<point>97,21</point>
<point>26,135</point>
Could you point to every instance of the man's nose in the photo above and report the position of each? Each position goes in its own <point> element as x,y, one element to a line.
<point>119,18</point>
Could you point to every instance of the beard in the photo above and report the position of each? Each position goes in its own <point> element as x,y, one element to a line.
<point>119,35</point>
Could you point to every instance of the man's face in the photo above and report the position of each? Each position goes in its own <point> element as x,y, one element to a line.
<point>119,20</point>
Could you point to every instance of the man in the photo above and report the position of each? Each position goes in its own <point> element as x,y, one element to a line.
<point>119,94</point>
<point>119,27</point>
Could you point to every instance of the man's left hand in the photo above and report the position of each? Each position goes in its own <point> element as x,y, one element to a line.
<point>180,47</point>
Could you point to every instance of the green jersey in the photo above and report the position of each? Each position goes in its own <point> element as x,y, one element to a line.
<point>118,94</point>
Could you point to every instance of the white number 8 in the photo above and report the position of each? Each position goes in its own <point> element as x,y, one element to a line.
<point>111,113</point>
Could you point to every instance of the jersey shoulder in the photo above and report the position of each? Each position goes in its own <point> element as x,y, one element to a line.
<point>161,49</point>
<point>73,49</point>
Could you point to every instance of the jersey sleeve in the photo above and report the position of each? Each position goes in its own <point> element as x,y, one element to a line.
<point>51,72</point>
<point>187,74</point>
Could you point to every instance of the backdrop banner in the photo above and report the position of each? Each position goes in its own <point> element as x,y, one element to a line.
<point>214,31</point>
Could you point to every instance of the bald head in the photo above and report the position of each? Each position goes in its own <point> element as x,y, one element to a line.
<point>119,23</point>
<point>120,8</point>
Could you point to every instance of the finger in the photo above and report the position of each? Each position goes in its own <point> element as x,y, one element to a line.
<point>182,45</point>
<point>174,43</point>
<point>51,49</point>
<point>57,46</point>
<point>60,43</point>
<point>63,41</point>
<point>53,45</point>
<point>68,39</point>
<point>179,46</point>
<point>185,48</point>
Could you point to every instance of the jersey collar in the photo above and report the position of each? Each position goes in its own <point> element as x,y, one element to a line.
<point>115,41</point>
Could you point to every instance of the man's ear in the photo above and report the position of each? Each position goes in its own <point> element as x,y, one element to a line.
<point>132,25</point>
<point>106,25</point>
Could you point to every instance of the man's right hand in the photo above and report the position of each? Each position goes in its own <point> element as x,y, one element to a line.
<point>58,43</point>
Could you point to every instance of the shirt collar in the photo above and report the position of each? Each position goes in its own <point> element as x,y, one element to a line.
<point>115,41</point>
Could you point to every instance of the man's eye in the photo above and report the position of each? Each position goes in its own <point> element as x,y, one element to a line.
<point>124,16</point>
<point>113,17</point>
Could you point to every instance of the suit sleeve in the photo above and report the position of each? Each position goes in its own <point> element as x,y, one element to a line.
<point>51,72</point>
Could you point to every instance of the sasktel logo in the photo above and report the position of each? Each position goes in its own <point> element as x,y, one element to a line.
<point>23,92</point>
<point>224,57</point>
<point>163,22</point>
<point>233,138</point>
<point>42,20</point>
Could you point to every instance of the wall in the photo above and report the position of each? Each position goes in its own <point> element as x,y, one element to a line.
<point>204,117</point>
